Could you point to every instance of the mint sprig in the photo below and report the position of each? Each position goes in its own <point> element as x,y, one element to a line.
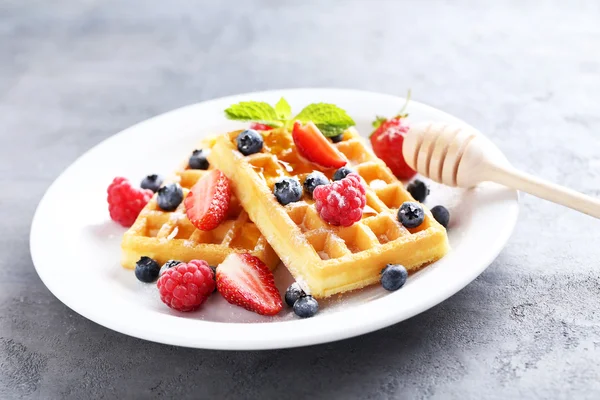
<point>255,111</point>
<point>283,109</point>
<point>329,118</point>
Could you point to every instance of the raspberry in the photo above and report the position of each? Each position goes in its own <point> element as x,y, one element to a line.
<point>341,202</point>
<point>125,202</point>
<point>187,285</point>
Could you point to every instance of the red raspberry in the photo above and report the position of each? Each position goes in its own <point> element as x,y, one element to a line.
<point>341,202</point>
<point>187,285</point>
<point>125,202</point>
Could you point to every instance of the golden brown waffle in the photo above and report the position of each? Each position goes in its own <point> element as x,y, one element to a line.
<point>165,236</point>
<point>325,259</point>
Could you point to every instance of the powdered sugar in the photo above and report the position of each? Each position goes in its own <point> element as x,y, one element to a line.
<point>377,184</point>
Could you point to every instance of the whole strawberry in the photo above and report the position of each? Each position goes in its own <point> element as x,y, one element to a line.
<point>186,286</point>
<point>125,201</point>
<point>387,140</point>
<point>341,203</point>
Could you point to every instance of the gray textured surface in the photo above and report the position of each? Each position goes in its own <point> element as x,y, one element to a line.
<point>75,72</point>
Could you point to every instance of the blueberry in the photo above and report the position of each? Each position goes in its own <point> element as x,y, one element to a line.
<point>249,142</point>
<point>342,173</point>
<point>418,190</point>
<point>441,215</point>
<point>306,307</point>
<point>313,180</point>
<point>146,269</point>
<point>411,214</point>
<point>393,277</point>
<point>287,190</point>
<point>169,196</point>
<point>198,160</point>
<point>152,182</point>
<point>293,293</point>
<point>338,138</point>
<point>167,265</point>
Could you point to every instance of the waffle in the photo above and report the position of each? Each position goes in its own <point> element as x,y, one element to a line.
<point>165,236</point>
<point>324,259</point>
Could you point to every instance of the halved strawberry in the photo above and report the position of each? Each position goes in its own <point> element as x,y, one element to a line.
<point>244,280</point>
<point>207,202</point>
<point>315,147</point>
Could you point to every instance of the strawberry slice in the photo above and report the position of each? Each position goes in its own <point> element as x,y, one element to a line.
<point>315,147</point>
<point>244,280</point>
<point>260,127</point>
<point>207,202</point>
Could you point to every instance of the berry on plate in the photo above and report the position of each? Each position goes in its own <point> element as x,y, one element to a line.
<point>293,293</point>
<point>306,307</point>
<point>287,190</point>
<point>418,190</point>
<point>313,180</point>
<point>187,285</point>
<point>146,269</point>
<point>411,214</point>
<point>393,277</point>
<point>125,202</point>
<point>315,147</point>
<point>341,202</point>
<point>387,140</point>
<point>257,126</point>
<point>207,203</point>
<point>167,265</point>
<point>198,159</point>
<point>441,215</point>
<point>342,173</point>
<point>152,182</point>
<point>169,196</point>
<point>249,142</point>
<point>244,280</point>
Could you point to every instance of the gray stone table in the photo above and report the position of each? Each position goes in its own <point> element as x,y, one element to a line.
<point>72,73</point>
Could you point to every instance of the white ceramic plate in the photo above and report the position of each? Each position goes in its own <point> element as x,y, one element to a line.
<point>76,247</point>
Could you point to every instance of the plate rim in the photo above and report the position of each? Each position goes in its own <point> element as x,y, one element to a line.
<point>500,242</point>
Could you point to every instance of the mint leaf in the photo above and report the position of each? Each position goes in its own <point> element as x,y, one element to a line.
<point>331,130</point>
<point>283,109</point>
<point>256,111</point>
<point>325,114</point>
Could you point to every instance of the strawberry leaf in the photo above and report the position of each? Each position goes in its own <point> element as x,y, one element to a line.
<point>378,121</point>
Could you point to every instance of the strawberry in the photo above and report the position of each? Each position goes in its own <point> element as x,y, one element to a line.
<point>260,127</point>
<point>387,140</point>
<point>207,202</point>
<point>244,280</point>
<point>315,147</point>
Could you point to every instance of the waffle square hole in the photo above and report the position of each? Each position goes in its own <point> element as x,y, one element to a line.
<point>189,177</point>
<point>385,228</point>
<point>246,237</point>
<point>392,195</point>
<point>375,176</point>
<point>265,166</point>
<point>355,151</point>
<point>357,238</point>
<point>297,213</point>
